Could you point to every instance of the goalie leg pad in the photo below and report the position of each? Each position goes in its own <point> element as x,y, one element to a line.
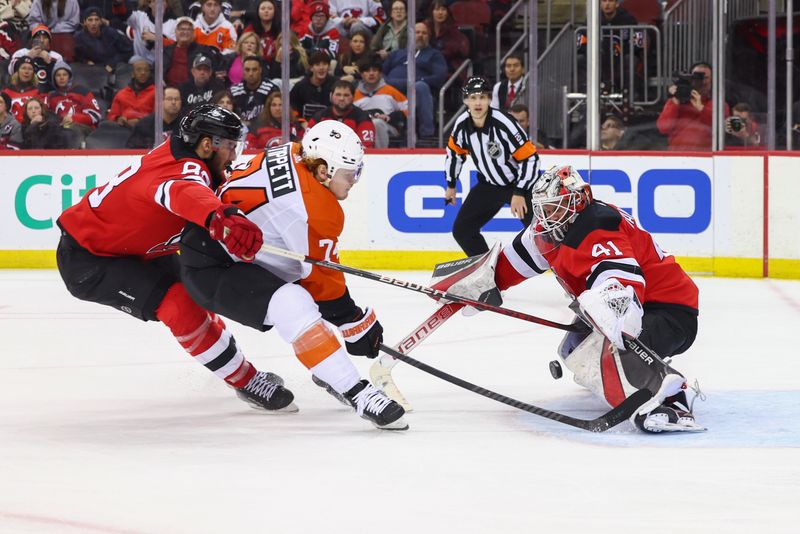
<point>613,375</point>
<point>595,365</point>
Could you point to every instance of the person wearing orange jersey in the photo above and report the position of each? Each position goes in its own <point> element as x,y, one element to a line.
<point>211,28</point>
<point>292,193</point>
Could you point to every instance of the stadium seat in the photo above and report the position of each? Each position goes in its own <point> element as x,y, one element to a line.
<point>645,11</point>
<point>108,135</point>
<point>472,13</point>
<point>92,76</point>
<point>64,44</point>
<point>475,14</point>
<point>122,75</point>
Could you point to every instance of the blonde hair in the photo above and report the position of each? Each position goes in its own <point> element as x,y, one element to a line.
<point>294,44</point>
<point>247,35</point>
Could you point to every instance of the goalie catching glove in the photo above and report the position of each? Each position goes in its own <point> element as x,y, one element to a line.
<point>240,235</point>
<point>613,309</point>
<point>363,335</point>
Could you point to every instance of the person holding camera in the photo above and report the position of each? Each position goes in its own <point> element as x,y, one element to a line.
<point>687,114</point>
<point>741,131</point>
<point>40,55</point>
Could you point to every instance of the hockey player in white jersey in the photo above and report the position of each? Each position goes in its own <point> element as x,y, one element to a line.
<point>292,193</point>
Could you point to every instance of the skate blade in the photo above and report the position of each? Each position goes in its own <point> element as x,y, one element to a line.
<point>658,427</point>
<point>288,409</point>
<point>400,424</point>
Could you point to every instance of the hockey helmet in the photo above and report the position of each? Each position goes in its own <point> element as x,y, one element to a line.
<point>337,145</point>
<point>212,121</point>
<point>475,85</point>
<point>558,196</point>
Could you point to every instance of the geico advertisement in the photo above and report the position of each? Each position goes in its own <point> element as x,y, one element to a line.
<point>671,197</point>
<point>400,202</point>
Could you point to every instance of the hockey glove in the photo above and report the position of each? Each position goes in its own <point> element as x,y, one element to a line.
<point>472,278</point>
<point>241,236</point>
<point>363,335</point>
<point>614,309</point>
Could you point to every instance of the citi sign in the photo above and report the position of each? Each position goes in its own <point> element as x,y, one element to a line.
<point>416,200</point>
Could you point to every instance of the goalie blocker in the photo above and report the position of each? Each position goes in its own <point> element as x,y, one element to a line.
<point>472,278</point>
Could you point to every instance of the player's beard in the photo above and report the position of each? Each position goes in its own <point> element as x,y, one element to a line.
<point>219,169</point>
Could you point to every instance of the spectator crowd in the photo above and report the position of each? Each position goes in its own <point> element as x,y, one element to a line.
<point>80,73</point>
<point>88,65</point>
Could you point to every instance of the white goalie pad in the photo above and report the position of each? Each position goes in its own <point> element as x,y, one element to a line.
<point>596,365</point>
<point>614,309</point>
<point>471,278</point>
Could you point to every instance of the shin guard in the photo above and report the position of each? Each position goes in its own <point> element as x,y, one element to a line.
<point>610,374</point>
<point>204,336</point>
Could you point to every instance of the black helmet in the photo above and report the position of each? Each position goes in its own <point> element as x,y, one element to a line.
<point>212,121</point>
<point>475,85</point>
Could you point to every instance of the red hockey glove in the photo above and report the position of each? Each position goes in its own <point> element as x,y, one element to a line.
<point>242,237</point>
<point>363,335</point>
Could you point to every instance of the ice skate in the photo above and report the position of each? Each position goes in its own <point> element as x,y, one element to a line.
<point>668,410</point>
<point>370,403</point>
<point>265,391</point>
<point>327,387</point>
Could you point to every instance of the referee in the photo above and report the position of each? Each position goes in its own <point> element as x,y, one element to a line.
<point>506,161</point>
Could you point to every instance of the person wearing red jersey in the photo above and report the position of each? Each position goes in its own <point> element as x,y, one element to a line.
<point>343,110</point>
<point>624,285</point>
<point>267,131</point>
<point>118,245</point>
<point>321,32</point>
<point>292,193</point>
<point>74,105</point>
<point>22,87</point>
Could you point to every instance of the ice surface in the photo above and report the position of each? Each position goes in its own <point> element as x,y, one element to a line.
<point>106,426</point>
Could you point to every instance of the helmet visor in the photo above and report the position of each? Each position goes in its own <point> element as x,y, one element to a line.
<point>350,176</point>
<point>235,146</point>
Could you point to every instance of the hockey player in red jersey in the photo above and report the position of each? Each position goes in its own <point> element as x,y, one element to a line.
<point>118,245</point>
<point>292,193</point>
<point>624,285</point>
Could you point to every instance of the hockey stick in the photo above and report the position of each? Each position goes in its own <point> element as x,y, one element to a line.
<point>417,288</point>
<point>608,420</point>
<point>381,370</point>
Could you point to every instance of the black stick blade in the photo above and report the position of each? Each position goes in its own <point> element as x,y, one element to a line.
<point>601,424</point>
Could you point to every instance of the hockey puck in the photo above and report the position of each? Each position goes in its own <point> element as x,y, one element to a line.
<point>555,369</point>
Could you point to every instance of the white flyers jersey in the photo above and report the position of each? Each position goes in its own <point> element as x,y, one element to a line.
<point>295,212</point>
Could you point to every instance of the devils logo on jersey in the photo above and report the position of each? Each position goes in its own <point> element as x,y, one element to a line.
<point>170,245</point>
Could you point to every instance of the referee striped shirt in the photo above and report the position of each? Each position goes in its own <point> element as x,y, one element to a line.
<point>500,150</point>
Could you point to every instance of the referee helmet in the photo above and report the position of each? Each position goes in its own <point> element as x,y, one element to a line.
<point>475,85</point>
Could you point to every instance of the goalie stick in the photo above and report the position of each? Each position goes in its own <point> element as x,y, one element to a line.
<point>270,249</point>
<point>381,370</point>
<point>608,420</point>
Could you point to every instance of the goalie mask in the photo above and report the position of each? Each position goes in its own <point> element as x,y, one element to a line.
<point>338,146</point>
<point>558,196</point>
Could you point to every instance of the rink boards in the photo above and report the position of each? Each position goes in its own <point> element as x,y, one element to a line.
<point>723,214</point>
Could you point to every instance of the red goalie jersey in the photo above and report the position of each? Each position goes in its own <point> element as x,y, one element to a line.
<point>603,242</point>
<point>160,192</point>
